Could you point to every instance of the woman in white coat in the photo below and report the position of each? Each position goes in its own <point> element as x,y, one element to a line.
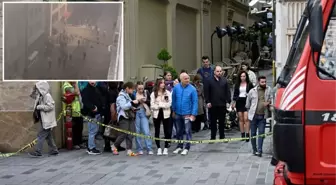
<point>161,110</point>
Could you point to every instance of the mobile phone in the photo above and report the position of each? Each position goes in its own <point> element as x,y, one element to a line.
<point>166,97</point>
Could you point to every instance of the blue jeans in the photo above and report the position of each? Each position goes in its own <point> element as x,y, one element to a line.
<point>183,125</point>
<point>258,122</point>
<point>142,127</point>
<point>93,129</point>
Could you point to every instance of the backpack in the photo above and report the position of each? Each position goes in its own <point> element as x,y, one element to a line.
<point>114,113</point>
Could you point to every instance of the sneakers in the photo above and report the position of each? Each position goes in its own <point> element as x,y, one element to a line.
<point>150,152</point>
<point>114,150</point>
<point>93,151</point>
<point>184,152</point>
<point>140,152</point>
<point>35,154</point>
<point>130,153</point>
<point>165,151</point>
<point>177,150</point>
<point>159,151</point>
<point>54,153</point>
<point>257,154</point>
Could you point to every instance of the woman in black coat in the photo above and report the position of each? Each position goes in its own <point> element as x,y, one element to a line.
<point>112,95</point>
<point>241,90</point>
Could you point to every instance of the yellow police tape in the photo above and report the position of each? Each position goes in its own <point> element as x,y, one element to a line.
<point>29,145</point>
<point>173,140</point>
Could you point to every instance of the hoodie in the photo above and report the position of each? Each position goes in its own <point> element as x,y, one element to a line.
<point>45,104</point>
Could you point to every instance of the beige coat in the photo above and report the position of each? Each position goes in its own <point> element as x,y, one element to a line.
<point>252,101</point>
<point>160,102</point>
<point>46,104</point>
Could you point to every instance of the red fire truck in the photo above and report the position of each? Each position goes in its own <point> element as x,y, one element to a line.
<point>304,134</point>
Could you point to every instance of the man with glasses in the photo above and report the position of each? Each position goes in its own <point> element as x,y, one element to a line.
<point>217,96</point>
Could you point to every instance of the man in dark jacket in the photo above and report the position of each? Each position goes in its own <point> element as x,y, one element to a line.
<point>217,95</point>
<point>93,108</point>
<point>103,90</point>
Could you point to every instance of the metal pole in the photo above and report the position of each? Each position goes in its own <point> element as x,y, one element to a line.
<point>273,43</point>
<point>221,49</point>
<point>26,41</point>
<point>212,46</point>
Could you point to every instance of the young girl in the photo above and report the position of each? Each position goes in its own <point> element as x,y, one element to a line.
<point>141,120</point>
<point>161,110</point>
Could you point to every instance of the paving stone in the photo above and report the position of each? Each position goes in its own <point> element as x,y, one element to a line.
<point>7,176</point>
<point>51,170</point>
<point>217,164</point>
<point>30,171</point>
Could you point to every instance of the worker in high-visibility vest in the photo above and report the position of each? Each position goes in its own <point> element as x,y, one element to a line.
<point>77,120</point>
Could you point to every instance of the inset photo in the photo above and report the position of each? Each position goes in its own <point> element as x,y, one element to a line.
<point>63,41</point>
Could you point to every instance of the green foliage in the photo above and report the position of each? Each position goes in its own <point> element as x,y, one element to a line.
<point>164,55</point>
<point>167,67</point>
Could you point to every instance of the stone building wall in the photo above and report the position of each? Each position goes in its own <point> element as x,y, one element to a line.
<point>16,124</point>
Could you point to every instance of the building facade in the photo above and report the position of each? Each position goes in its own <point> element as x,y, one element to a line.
<point>15,103</point>
<point>24,30</point>
<point>57,11</point>
<point>183,27</point>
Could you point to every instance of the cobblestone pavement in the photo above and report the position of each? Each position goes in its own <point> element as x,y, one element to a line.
<point>206,164</point>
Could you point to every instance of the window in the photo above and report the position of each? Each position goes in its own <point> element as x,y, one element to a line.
<point>295,53</point>
<point>328,53</point>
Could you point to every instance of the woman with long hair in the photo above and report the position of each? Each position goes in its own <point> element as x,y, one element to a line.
<point>168,80</point>
<point>197,82</point>
<point>141,119</point>
<point>241,90</point>
<point>252,76</point>
<point>161,110</point>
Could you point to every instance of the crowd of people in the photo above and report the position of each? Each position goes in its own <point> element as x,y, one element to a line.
<point>180,105</point>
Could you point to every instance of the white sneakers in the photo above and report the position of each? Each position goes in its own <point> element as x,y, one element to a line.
<point>159,151</point>
<point>165,151</point>
<point>184,152</point>
<point>178,150</point>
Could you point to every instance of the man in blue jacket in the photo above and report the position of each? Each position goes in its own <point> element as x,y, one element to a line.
<point>185,109</point>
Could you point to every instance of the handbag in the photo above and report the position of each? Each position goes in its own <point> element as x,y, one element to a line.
<point>36,115</point>
<point>110,132</point>
<point>147,109</point>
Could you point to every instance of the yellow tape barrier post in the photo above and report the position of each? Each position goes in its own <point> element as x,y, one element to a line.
<point>29,145</point>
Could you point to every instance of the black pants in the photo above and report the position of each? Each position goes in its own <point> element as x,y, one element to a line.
<point>77,130</point>
<point>167,128</point>
<point>217,113</point>
<point>196,125</point>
